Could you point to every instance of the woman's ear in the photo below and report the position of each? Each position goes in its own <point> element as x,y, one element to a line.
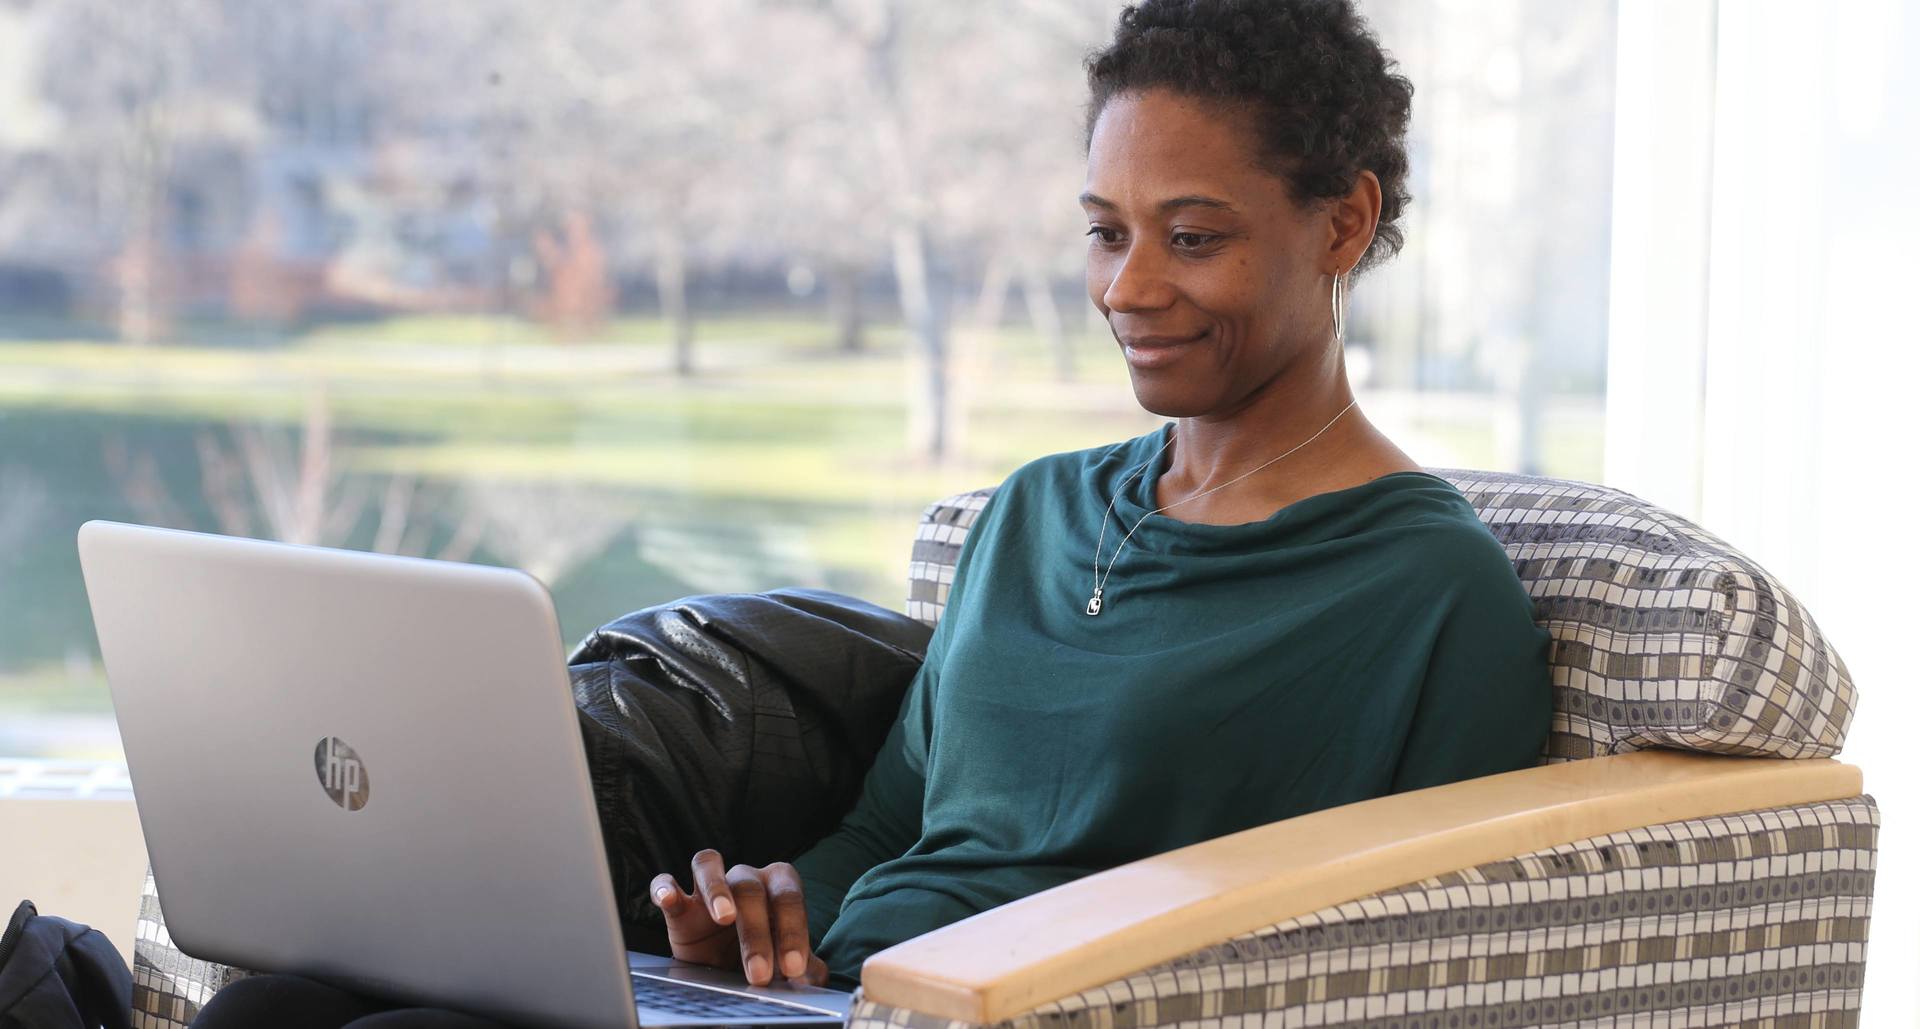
<point>1352,219</point>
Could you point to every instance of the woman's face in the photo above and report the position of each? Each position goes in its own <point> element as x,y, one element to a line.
<point>1212,278</point>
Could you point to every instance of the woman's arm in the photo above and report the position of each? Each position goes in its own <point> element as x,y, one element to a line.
<point>885,820</point>
<point>1487,698</point>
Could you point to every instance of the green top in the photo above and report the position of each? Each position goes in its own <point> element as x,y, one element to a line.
<point>1353,644</point>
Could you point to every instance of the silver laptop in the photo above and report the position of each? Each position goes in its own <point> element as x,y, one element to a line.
<point>368,769</point>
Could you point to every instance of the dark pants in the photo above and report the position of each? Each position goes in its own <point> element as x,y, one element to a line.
<point>294,1002</point>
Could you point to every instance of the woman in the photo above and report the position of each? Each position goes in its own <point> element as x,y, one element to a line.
<point>1262,609</point>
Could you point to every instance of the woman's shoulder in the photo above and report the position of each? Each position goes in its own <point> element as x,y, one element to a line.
<point>1410,499</point>
<point>1426,511</point>
<point>1437,546</point>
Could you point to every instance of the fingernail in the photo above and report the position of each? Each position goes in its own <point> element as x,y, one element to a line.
<point>756,968</point>
<point>793,964</point>
<point>722,908</point>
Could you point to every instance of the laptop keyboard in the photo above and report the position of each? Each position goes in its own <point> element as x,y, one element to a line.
<point>697,1002</point>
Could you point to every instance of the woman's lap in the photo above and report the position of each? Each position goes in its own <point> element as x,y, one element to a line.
<point>294,1002</point>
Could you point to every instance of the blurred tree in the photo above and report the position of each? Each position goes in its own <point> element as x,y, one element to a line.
<point>958,128</point>
<point>628,125</point>
<point>579,295</point>
<point>152,85</point>
<point>882,102</point>
<point>182,114</point>
<point>1027,157</point>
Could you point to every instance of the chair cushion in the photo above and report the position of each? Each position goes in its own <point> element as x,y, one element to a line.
<point>1664,635</point>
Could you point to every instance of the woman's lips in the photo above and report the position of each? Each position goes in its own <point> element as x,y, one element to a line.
<point>1159,351</point>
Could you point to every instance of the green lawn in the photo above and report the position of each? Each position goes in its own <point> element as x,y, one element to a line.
<point>780,462</point>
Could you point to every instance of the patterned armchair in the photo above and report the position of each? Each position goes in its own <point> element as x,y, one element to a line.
<point>1685,853</point>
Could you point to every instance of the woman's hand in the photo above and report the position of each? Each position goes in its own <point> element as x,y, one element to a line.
<point>743,917</point>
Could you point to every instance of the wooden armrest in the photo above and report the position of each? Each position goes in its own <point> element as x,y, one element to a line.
<point>1094,930</point>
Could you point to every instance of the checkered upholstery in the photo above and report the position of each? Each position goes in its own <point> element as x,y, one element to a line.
<point>1750,919</point>
<point>169,986</point>
<point>1664,636</point>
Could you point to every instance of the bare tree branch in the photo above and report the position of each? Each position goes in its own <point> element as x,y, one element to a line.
<point>138,477</point>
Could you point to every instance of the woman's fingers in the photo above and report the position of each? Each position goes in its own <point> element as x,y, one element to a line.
<point>757,916</point>
<point>710,885</point>
<point>789,911</point>
<point>666,894</point>
<point>690,928</point>
<point>756,938</point>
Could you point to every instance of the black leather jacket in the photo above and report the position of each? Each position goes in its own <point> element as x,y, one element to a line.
<point>744,722</point>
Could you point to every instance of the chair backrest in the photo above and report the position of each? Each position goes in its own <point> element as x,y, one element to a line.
<point>1663,635</point>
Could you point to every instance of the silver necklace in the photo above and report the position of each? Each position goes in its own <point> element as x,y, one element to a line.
<point>1094,603</point>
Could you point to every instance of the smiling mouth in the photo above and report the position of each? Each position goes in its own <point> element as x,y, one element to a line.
<point>1162,342</point>
<point>1152,353</point>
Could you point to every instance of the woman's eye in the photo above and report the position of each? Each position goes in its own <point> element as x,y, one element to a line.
<point>1191,241</point>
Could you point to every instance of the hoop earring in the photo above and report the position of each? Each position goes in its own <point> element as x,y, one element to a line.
<point>1339,312</point>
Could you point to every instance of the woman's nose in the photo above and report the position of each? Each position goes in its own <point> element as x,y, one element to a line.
<point>1140,283</point>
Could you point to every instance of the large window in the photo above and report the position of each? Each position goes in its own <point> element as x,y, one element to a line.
<point>659,298</point>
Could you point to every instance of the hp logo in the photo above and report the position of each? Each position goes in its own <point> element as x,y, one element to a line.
<point>341,773</point>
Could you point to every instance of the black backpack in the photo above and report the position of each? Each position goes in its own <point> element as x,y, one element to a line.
<point>57,974</point>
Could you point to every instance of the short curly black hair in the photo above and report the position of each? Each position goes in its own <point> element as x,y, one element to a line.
<point>1324,97</point>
